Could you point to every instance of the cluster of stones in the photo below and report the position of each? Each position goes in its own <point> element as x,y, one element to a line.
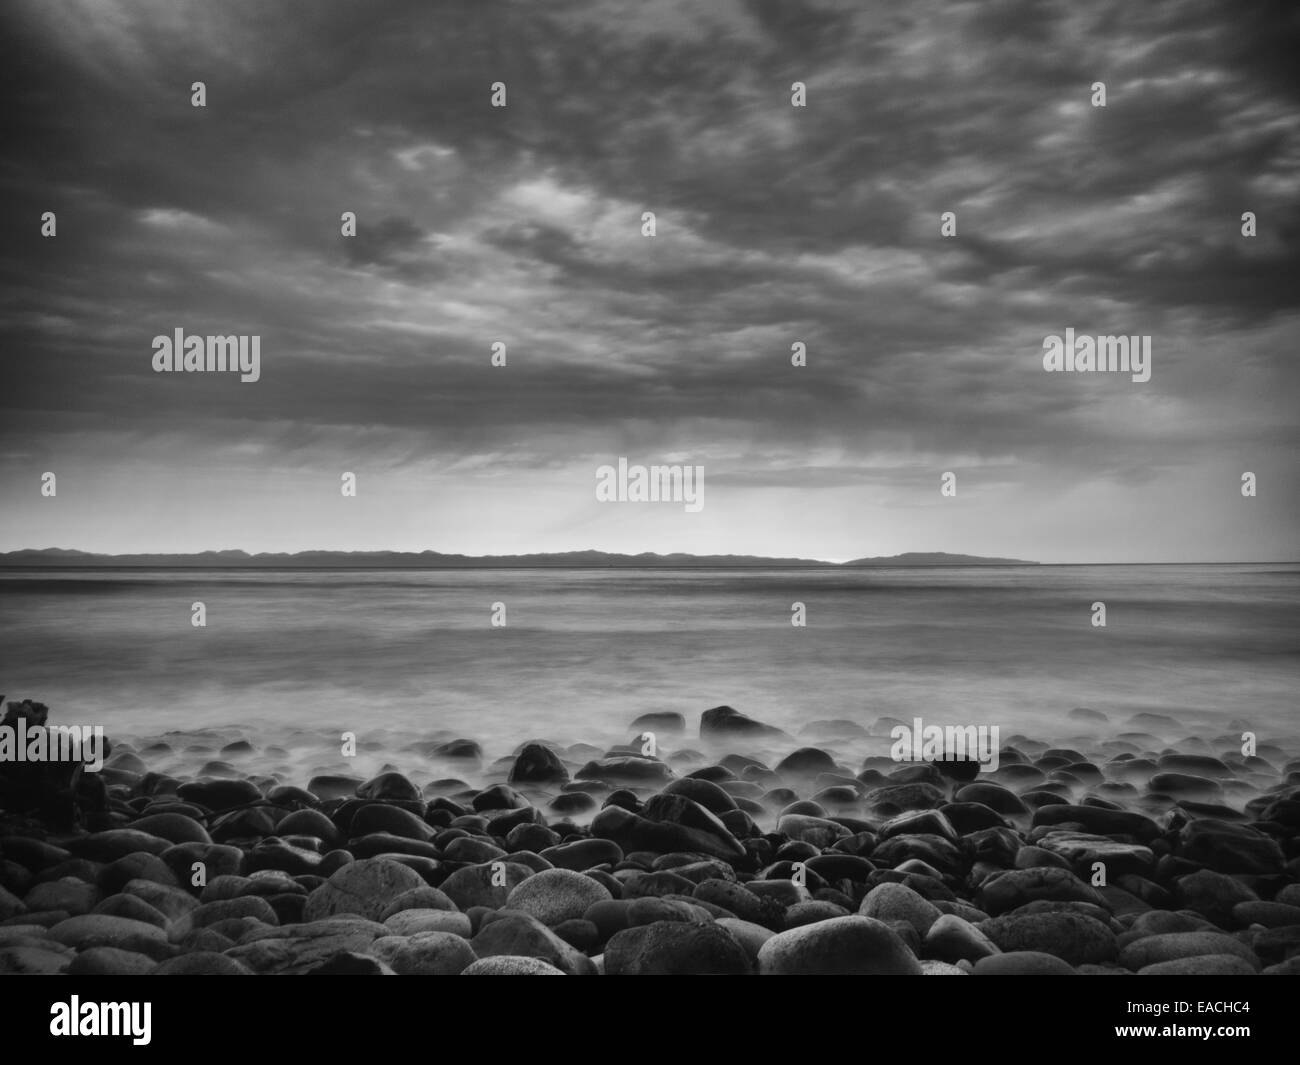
<point>626,864</point>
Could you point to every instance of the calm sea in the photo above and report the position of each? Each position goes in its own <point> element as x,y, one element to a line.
<point>583,652</point>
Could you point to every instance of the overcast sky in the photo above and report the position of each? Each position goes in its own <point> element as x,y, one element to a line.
<point>775,224</point>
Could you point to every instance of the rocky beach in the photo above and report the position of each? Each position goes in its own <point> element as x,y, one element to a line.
<point>1143,845</point>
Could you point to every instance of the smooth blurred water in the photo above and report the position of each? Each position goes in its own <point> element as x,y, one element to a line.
<point>585,651</point>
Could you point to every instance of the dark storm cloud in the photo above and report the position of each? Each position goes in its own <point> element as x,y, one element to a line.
<point>775,224</point>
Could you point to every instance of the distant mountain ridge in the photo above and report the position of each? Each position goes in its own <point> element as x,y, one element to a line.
<point>936,558</point>
<point>236,559</point>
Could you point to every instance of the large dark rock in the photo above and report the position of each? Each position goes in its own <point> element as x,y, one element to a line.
<point>1229,848</point>
<point>389,786</point>
<point>806,761</point>
<point>665,721</point>
<point>538,764</point>
<point>722,723</point>
<point>626,769</point>
<point>60,792</point>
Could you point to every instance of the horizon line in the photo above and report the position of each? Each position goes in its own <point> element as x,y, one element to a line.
<point>467,561</point>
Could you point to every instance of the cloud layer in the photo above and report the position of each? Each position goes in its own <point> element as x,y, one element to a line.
<point>775,224</point>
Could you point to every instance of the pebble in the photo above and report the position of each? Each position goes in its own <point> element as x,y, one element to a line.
<point>772,859</point>
<point>854,945</point>
<point>930,967</point>
<point>994,797</point>
<point>518,933</point>
<point>351,963</point>
<point>802,913</point>
<point>511,965</point>
<point>951,939</point>
<point>219,795</point>
<point>173,827</point>
<point>309,823</point>
<point>1201,965</point>
<point>171,902</point>
<point>104,930</point>
<point>1023,963</point>
<point>557,895</point>
<point>425,953</point>
<point>365,888</point>
<point>1268,914</point>
<point>722,723</point>
<point>209,913</point>
<point>538,764</point>
<point>1172,946</point>
<point>1230,848</point>
<point>382,817</point>
<point>1072,937</point>
<point>897,902</point>
<point>299,948</point>
<point>138,866</point>
<point>33,961</point>
<point>819,831</point>
<point>675,948</point>
<point>123,905</point>
<point>1006,890</point>
<point>201,963</point>
<point>388,786</point>
<point>1213,895</point>
<point>116,843</point>
<point>110,961</point>
<point>67,893</point>
<point>1099,821</point>
<point>484,885</point>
